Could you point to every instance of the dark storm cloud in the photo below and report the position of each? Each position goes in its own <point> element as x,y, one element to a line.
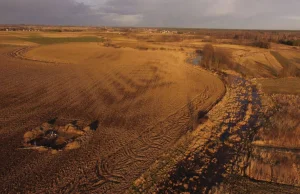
<point>46,12</point>
<point>267,14</point>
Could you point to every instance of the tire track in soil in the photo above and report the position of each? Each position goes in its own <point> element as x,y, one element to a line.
<point>136,154</point>
<point>142,150</point>
<point>200,172</point>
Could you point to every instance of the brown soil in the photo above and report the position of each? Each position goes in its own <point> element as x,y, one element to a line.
<point>142,100</point>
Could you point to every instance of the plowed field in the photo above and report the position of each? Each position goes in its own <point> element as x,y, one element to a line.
<point>143,101</point>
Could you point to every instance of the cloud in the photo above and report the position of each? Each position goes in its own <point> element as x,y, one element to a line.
<point>292,17</point>
<point>221,7</point>
<point>64,12</point>
<point>267,14</point>
<point>131,20</point>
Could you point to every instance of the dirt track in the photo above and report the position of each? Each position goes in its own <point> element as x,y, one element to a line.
<point>141,106</point>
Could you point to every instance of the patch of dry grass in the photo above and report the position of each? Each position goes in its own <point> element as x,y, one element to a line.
<point>271,165</point>
<point>282,127</point>
<point>289,68</point>
<point>281,86</point>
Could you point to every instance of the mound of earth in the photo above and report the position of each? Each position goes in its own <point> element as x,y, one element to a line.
<point>53,136</point>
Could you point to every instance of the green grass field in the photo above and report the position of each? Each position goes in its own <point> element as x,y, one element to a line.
<point>50,40</point>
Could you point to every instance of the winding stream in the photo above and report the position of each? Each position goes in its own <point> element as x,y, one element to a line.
<point>235,121</point>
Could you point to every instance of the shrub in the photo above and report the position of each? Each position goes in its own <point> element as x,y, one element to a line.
<point>290,42</point>
<point>208,56</point>
<point>262,44</point>
<point>142,48</point>
<point>215,58</point>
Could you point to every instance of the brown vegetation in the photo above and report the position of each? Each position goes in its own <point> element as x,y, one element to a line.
<point>261,44</point>
<point>281,86</point>
<point>275,149</point>
<point>274,165</point>
<point>282,127</point>
<point>216,58</point>
<point>289,69</point>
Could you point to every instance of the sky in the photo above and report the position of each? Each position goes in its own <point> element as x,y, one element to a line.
<point>229,14</point>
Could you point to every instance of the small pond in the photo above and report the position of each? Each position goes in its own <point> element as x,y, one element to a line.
<point>197,60</point>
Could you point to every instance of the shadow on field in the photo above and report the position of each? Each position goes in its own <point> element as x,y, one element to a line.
<point>94,125</point>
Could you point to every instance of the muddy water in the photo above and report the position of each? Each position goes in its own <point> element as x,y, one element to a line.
<point>197,60</point>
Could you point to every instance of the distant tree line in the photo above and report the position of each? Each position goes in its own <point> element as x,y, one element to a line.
<point>257,38</point>
<point>290,42</point>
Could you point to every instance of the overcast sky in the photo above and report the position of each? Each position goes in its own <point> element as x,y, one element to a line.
<point>245,14</point>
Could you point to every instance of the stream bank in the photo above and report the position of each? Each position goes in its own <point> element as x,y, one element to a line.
<point>204,157</point>
<point>218,155</point>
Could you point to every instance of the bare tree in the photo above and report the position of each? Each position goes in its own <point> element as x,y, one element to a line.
<point>208,56</point>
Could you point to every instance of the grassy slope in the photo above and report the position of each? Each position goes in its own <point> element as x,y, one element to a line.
<point>289,68</point>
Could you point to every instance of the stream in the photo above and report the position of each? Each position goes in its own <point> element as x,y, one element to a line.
<point>236,119</point>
